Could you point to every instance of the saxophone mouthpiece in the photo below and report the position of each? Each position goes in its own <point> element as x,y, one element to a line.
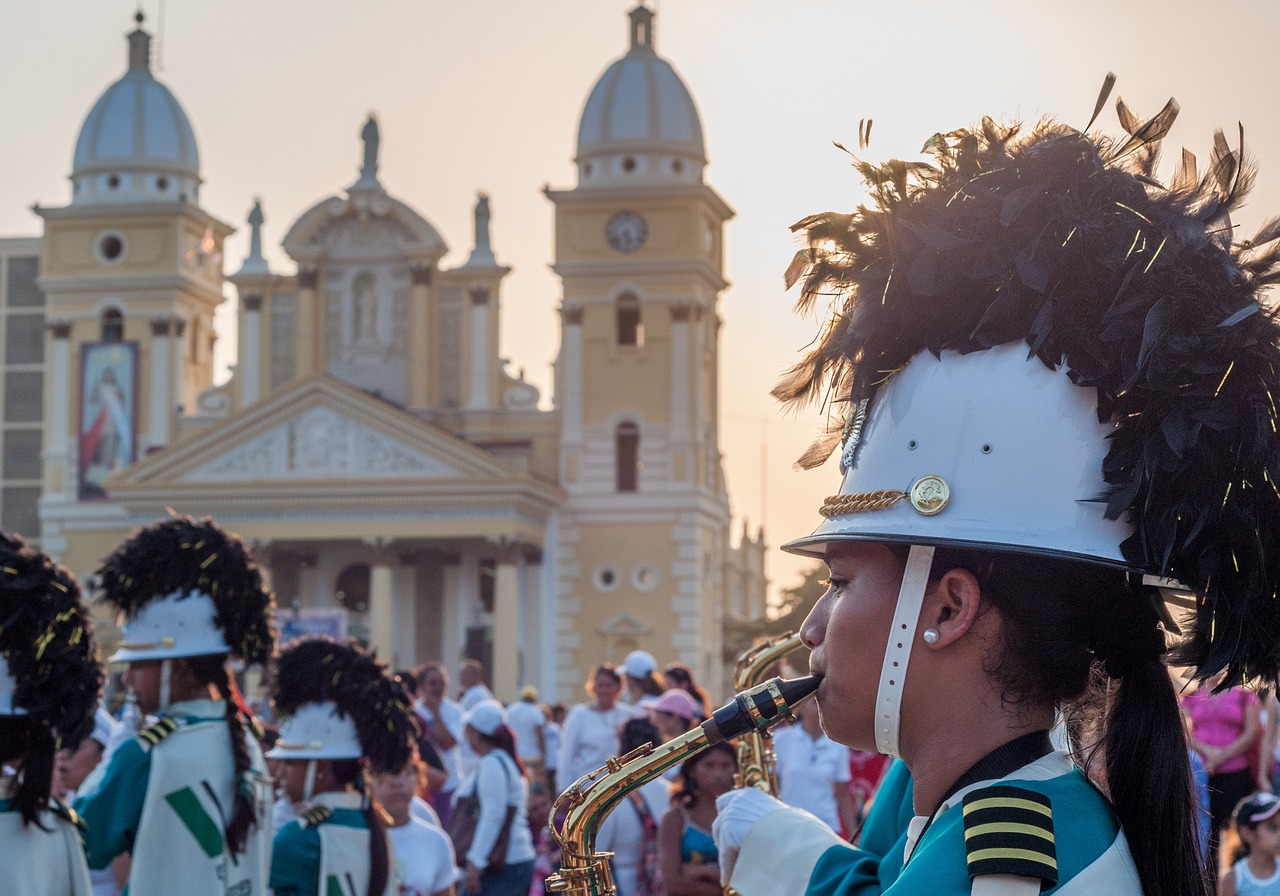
<point>759,708</point>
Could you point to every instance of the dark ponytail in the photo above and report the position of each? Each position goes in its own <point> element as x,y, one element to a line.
<point>1086,639</point>
<point>30,747</point>
<point>379,856</point>
<point>213,670</point>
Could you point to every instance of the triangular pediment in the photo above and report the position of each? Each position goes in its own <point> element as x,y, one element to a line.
<point>317,430</point>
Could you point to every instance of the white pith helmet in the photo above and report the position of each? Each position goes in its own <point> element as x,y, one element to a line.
<point>987,449</point>
<point>317,731</point>
<point>180,624</point>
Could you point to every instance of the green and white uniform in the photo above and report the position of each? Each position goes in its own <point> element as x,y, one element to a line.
<point>41,861</point>
<point>325,851</point>
<point>165,798</point>
<point>788,851</point>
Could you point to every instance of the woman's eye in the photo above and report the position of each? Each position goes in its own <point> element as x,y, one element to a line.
<point>835,584</point>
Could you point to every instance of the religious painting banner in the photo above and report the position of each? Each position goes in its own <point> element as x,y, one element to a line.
<point>108,412</point>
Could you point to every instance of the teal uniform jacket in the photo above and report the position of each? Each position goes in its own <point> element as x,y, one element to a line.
<point>884,837</point>
<point>296,854</point>
<point>1091,855</point>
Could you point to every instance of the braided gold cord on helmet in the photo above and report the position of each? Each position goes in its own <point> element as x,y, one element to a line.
<point>837,505</point>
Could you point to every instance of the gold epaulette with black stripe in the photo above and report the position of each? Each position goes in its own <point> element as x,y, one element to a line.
<point>153,734</point>
<point>1009,830</point>
<point>315,816</point>
<point>67,814</point>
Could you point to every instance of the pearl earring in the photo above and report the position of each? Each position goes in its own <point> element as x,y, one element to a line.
<point>930,636</point>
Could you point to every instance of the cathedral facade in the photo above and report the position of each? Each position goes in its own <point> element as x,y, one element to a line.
<point>395,480</point>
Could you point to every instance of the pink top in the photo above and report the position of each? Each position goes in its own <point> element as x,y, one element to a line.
<point>1218,719</point>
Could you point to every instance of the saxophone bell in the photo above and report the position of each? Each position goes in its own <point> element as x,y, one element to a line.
<point>586,803</point>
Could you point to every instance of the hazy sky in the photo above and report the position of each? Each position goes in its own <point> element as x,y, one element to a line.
<point>485,95</point>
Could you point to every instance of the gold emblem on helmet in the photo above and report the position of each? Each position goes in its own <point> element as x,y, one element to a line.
<point>930,494</point>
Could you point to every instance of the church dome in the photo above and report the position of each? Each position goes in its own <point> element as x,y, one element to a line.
<point>136,143</point>
<point>640,121</point>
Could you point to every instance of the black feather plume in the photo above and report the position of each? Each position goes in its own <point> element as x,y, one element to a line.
<point>320,670</point>
<point>185,554</point>
<point>47,638</point>
<point>1067,242</point>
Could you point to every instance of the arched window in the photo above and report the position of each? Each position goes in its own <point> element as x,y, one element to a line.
<point>627,447</point>
<point>112,325</point>
<point>630,326</point>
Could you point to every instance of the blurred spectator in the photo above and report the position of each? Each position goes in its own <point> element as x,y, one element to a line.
<point>442,721</point>
<point>630,831</point>
<point>686,850</point>
<point>423,853</point>
<point>590,733</point>
<point>678,675</point>
<point>813,770</point>
<point>526,720</point>
<point>642,682</point>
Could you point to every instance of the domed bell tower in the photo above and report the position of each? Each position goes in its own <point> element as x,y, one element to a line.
<point>639,250</point>
<point>132,270</point>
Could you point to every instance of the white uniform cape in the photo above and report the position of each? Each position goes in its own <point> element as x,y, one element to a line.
<point>344,852</point>
<point>180,846</point>
<point>782,849</point>
<point>42,862</point>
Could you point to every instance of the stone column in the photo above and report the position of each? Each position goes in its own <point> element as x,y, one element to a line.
<point>451,605</point>
<point>684,384</point>
<point>569,392</point>
<point>177,388</point>
<point>308,578</point>
<point>382,620</point>
<point>161,405</point>
<point>547,606</point>
<point>478,381</point>
<point>506,627</point>
<point>59,464</point>
<point>306,318</point>
<point>249,367</point>
<point>406,612</point>
<point>421,353</point>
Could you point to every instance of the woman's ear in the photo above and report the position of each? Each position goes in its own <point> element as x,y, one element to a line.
<point>951,606</point>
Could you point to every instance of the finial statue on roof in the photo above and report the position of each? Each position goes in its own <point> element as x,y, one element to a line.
<point>139,44</point>
<point>254,263</point>
<point>369,134</point>
<point>482,254</point>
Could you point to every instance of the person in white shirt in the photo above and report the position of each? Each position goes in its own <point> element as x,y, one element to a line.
<point>423,852</point>
<point>590,734</point>
<point>551,731</point>
<point>813,770</point>
<point>442,722</point>
<point>526,719</point>
<point>471,679</point>
<point>498,784</point>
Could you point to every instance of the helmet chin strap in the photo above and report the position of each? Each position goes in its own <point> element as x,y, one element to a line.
<point>893,672</point>
<point>166,674</point>
<point>309,781</point>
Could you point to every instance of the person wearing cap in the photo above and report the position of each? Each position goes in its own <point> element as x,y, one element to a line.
<point>643,686</point>
<point>500,786</point>
<point>1255,867</point>
<point>189,797</point>
<point>49,684</point>
<point>590,732</point>
<point>674,713</point>
<point>1057,379</point>
<point>344,715</point>
<point>526,719</point>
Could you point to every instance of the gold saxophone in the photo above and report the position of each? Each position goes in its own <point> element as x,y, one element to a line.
<point>757,763</point>
<point>584,806</point>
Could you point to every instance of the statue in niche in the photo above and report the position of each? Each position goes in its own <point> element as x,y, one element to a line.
<point>369,134</point>
<point>366,312</point>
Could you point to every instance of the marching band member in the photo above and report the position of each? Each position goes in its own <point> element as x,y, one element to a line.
<point>189,796</point>
<point>49,683</point>
<point>342,711</point>
<point>1061,385</point>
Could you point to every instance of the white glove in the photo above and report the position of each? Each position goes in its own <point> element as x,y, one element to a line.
<point>736,812</point>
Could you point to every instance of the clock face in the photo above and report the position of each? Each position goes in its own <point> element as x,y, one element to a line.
<point>626,231</point>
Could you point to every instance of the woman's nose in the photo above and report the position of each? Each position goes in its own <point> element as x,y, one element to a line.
<point>815,624</point>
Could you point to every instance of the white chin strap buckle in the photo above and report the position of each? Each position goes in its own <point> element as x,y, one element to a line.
<point>893,671</point>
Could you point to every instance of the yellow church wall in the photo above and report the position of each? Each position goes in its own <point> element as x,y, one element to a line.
<point>625,549</point>
<point>68,248</point>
